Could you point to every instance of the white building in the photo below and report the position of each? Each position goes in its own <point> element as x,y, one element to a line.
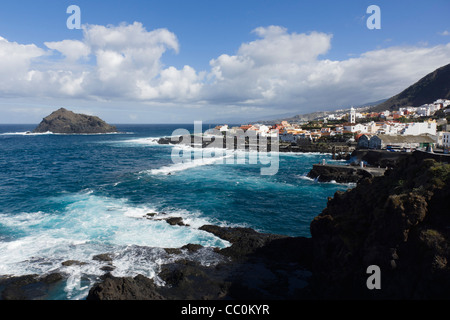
<point>386,113</point>
<point>408,109</point>
<point>372,127</point>
<point>355,127</point>
<point>391,128</point>
<point>399,142</point>
<point>444,102</point>
<point>418,128</point>
<point>428,109</point>
<point>288,137</point>
<point>446,139</point>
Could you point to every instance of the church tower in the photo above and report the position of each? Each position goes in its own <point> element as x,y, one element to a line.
<point>352,118</point>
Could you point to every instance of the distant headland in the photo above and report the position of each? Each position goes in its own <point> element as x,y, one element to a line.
<point>68,122</point>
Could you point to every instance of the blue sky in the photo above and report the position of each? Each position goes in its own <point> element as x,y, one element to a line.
<point>214,59</point>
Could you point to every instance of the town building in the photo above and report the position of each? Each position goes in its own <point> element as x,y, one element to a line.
<point>418,128</point>
<point>399,142</point>
<point>446,139</point>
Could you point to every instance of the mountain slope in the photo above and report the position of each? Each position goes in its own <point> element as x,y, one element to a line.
<point>435,85</point>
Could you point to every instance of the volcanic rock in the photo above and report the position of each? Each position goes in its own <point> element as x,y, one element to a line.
<point>68,122</point>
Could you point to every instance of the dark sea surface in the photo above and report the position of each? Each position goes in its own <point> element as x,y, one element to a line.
<point>71,197</point>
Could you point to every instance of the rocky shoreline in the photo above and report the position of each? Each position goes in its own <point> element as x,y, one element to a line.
<point>398,222</point>
<point>255,266</point>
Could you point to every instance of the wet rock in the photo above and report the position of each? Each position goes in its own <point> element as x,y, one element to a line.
<point>105,257</point>
<point>69,263</point>
<point>173,250</point>
<point>108,268</point>
<point>192,247</point>
<point>29,287</point>
<point>151,214</point>
<point>244,240</point>
<point>175,221</point>
<point>112,288</point>
<point>262,266</point>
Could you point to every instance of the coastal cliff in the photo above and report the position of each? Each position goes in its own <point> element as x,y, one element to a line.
<point>399,222</point>
<point>68,122</point>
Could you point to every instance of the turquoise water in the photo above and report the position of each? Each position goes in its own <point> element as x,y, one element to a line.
<point>70,197</point>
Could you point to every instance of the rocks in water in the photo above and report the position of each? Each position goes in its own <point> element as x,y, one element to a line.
<point>70,263</point>
<point>68,122</point>
<point>113,288</point>
<point>256,266</point>
<point>29,287</point>
<point>175,221</point>
<point>151,214</point>
<point>244,240</point>
<point>192,247</point>
<point>106,257</point>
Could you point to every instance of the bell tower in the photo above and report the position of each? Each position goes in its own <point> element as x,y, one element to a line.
<point>352,118</point>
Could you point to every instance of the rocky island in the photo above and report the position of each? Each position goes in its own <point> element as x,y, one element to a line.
<point>68,122</point>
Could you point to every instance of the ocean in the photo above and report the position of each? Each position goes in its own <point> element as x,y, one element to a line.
<point>72,197</point>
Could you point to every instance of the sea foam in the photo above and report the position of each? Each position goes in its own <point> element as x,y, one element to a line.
<point>89,225</point>
<point>25,133</point>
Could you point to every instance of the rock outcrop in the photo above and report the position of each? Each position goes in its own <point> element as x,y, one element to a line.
<point>343,173</point>
<point>255,266</point>
<point>399,222</point>
<point>378,158</point>
<point>29,287</point>
<point>68,122</point>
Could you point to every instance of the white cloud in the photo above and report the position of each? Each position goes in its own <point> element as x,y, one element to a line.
<point>276,70</point>
<point>129,64</point>
<point>445,33</point>
<point>286,70</point>
<point>278,46</point>
<point>15,62</point>
<point>73,50</point>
